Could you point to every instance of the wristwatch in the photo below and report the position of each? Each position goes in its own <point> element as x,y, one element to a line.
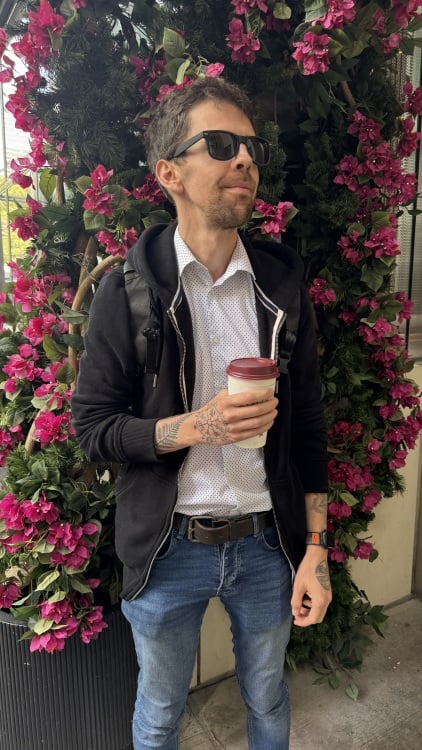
<point>320,539</point>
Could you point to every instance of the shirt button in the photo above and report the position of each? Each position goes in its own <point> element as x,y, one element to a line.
<point>215,340</point>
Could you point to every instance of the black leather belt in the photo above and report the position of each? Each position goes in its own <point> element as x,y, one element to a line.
<point>218,530</point>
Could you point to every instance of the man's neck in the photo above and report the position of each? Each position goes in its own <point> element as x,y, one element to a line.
<point>213,249</point>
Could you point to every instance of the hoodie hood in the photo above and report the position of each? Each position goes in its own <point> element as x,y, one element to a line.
<point>278,274</point>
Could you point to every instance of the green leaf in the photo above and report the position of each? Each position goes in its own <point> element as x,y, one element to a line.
<point>182,71</point>
<point>53,351</point>
<point>47,579</point>
<point>73,316</point>
<point>372,278</point>
<point>380,219</point>
<point>78,584</point>
<point>352,691</point>
<point>94,222</point>
<point>173,43</point>
<point>348,498</point>
<point>42,626</point>
<point>65,374</point>
<point>39,470</point>
<point>315,9</point>
<point>172,67</point>
<point>83,183</point>
<point>47,183</point>
<point>282,11</point>
<point>58,596</point>
<point>23,613</point>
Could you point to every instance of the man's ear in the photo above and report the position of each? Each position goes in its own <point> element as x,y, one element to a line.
<point>168,176</point>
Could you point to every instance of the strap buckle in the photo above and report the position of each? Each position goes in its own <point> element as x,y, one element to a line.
<point>195,523</point>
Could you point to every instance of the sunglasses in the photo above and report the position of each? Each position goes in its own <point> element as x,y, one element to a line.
<point>223,145</point>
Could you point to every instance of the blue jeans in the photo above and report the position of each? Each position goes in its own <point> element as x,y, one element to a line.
<point>253,580</point>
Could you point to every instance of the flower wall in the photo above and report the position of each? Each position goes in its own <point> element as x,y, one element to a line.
<point>320,75</point>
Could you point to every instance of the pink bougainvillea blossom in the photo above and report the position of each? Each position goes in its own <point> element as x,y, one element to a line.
<point>276,216</point>
<point>9,593</point>
<point>413,99</point>
<point>339,13</point>
<point>117,245</point>
<point>339,510</point>
<point>243,46</point>
<point>165,88</point>
<point>51,428</point>
<point>352,476</point>
<point>404,11</point>
<point>320,293</point>
<point>312,53</point>
<point>337,555</point>
<point>408,141</point>
<point>383,242</point>
<point>150,191</point>
<point>365,129</point>
<point>72,544</point>
<point>92,624</point>
<point>391,42</point>
<point>213,70</point>
<point>371,499</point>
<point>54,640</point>
<point>363,551</point>
<point>42,325</point>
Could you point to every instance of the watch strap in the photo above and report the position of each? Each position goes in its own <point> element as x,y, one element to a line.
<point>323,539</point>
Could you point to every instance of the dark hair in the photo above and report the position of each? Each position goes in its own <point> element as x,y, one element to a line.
<point>171,120</point>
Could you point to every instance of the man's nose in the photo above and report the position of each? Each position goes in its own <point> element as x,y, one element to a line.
<point>243,158</point>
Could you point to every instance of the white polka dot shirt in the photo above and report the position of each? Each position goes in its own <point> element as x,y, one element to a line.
<point>220,480</point>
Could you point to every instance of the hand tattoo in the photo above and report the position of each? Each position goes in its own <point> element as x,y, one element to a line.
<point>211,424</point>
<point>166,435</point>
<point>323,576</point>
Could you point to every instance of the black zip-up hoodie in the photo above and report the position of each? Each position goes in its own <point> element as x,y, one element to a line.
<point>116,405</point>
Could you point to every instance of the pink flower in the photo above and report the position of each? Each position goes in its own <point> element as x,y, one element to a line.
<point>214,70</point>
<point>363,551</point>
<point>339,13</point>
<point>348,250</point>
<point>348,169</point>
<point>42,510</point>
<point>320,294</point>
<point>352,476</point>
<point>244,46</point>
<point>339,510</point>
<point>391,43</point>
<point>51,428</point>
<point>337,555</point>
<point>413,102</point>
<point>312,53</point>
<point>9,593</point>
<point>398,461</point>
<point>378,21</point>
<point>365,129</point>
<point>150,191</point>
<point>408,142</point>
<point>44,325</point>
<point>277,216</point>
<point>371,499</point>
<point>166,89</point>
<point>92,624</point>
<point>54,640</point>
<point>56,611</point>
<point>404,11</point>
<point>383,242</point>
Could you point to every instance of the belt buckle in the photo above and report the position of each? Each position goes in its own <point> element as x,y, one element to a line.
<point>216,523</point>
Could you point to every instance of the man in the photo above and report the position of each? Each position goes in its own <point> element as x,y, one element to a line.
<point>197,515</point>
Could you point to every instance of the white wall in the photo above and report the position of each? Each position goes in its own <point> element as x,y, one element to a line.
<point>393,531</point>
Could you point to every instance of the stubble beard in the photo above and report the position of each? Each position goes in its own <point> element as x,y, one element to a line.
<point>222,216</point>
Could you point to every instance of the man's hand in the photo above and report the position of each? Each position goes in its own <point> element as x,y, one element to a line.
<point>311,589</point>
<point>223,420</point>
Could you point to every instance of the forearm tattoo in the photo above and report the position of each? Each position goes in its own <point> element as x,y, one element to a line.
<point>323,576</point>
<point>319,503</point>
<point>166,434</point>
<point>212,425</point>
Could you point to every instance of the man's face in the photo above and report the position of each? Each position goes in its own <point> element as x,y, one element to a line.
<point>217,194</point>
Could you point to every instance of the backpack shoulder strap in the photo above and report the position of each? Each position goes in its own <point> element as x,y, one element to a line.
<point>145,327</point>
<point>289,334</point>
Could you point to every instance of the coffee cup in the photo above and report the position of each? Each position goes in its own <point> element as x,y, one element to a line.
<point>250,374</point>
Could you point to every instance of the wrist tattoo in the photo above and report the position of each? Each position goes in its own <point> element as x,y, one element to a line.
<point>319,503</point>
<point>166,435</point>
<point>211,424</point>
<point>323,576</point>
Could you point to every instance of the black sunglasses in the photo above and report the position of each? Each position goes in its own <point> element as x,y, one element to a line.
<point>223,145</point>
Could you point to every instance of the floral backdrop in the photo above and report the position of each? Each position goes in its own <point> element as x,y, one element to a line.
<point>323,76</point>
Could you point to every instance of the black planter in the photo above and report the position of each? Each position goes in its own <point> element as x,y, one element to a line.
<point>79,699</point>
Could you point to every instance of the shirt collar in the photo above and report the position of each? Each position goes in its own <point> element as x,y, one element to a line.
<point>238,262</point>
